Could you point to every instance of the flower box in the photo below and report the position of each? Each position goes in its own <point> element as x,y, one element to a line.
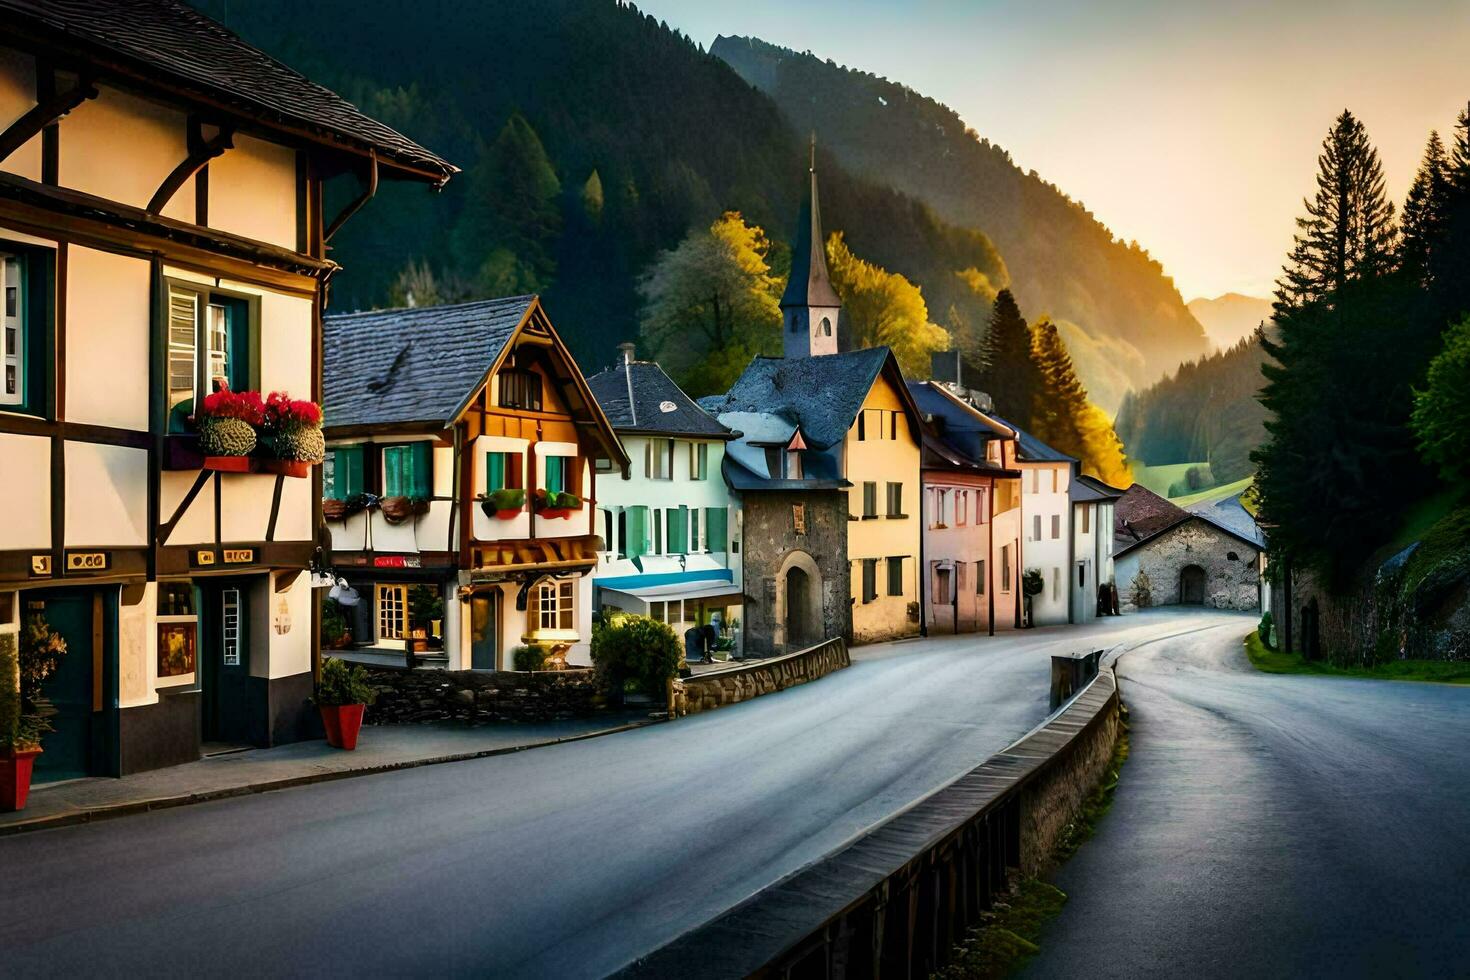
<point>504,504</point>
<point>299,469</point>
<point>342,722</point>
<point>181,452</point>
<point>229,464</point>
<point>398,510</point>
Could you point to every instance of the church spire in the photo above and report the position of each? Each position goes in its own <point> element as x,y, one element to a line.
<point>810,305</point>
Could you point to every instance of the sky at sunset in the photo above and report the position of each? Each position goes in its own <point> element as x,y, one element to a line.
<point>1191,127</point>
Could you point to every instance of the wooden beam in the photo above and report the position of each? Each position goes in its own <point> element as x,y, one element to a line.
<point>200,153</point>
<point>43,114</point>
<point>179,511</point>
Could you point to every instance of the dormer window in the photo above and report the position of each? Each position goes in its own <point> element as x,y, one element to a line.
<point>520,389</point>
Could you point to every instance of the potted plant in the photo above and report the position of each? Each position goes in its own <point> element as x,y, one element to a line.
<point>396,510</point>
<point>504,503</point>
<point>529,657</point>
<point>336,631</point>
<point>1032,585</point>
<point>554,503</point>
<point>227,422</point>
<point>292,434</point>
<point>342,695</point>
<point>339,510</point>
<point>425,613</point>
<point>25,663</point>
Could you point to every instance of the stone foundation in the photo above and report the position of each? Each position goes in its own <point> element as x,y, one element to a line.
<point>719,688</point>
<point>407,697</point>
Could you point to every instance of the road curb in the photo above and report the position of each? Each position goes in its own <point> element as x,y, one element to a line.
<point>100,813</point>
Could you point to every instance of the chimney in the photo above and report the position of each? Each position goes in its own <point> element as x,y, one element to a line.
<point>626,350</point>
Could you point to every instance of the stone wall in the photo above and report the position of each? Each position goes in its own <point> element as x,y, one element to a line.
<point>769,538</point>
<point>1229,584</point>
<point>473,697</point>
<point>719,688</point>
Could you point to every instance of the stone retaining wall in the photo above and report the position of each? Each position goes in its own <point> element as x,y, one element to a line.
<point>721,687</point>
<point>407,697</point>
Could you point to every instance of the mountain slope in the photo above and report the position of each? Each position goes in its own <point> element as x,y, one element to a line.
<point>1061,260</point>
<point>1229,318</point>
<point>628,133</point>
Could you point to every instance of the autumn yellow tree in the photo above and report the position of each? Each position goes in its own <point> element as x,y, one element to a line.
<point>710,304</point>
<point>1065,418</point>
<point>881,308</point>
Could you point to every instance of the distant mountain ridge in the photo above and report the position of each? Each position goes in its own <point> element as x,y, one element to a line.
<point>1229,318</point>
<point>1128,324</point>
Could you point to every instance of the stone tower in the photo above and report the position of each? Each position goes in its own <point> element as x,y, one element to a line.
<point>809,307</point>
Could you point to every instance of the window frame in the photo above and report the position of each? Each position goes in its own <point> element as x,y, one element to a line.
<point>380,609</point>
<point>35,330</point>
<point>556,598</point>
<point>420,485</point>
<point>870,500</point>
<point>895,576</point>
<point>520,389</point>
<point>869,579</point>
<point>699,461</point>
<point>894,500</point>
<point>655,450</point>
<point>242,351</point>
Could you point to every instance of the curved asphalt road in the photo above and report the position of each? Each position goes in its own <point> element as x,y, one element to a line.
<point>1274,826</point>
<point>568,861</point>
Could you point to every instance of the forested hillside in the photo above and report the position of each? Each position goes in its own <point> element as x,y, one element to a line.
<point>1062,262</point>
<point>593,139</point>
<point>1207,411</point>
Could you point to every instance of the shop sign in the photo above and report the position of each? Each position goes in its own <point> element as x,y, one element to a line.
<point>203,557</point>
<point>88,561</point>
<point>40,564</point>
<point>396,561</point>
<point>239,556</point>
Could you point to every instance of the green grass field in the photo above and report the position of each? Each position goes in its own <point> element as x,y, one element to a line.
<point>1215,493</point>
<point>1160,478</point>
<point>1280,662</point>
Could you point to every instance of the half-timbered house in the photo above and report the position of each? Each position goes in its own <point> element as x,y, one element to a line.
<point>461,487</point>
<point>162,233</point>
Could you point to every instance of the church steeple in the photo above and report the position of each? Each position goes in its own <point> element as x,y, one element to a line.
<point>810,306</point>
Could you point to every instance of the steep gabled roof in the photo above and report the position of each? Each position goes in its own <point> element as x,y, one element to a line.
<point>1230,515</point>
<point>1142,515</point>
<point>820,394</point>
<point>638,397</point>
<point>1089,489</point>
<point>165,44</point>
<point>1030,449</point>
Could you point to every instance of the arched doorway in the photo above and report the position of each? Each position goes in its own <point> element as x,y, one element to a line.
<point>1192,586</point>
<point>798,607</point>
<point>798,602</point>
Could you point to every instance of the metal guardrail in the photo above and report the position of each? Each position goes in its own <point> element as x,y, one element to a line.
<point>895,902</point>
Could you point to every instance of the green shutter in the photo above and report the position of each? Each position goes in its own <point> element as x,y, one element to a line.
<point>394,466</point>
<point>636,544</point>
<point>347,475</point>
<point>556,473</point>
<point>678,530</point>
<point>422,483</point>
<point>494,472</point>
<point>715,528</point>
<point>694,530</point>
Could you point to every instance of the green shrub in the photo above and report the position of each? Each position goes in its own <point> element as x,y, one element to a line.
<point>1441,418</point>
<point>343,684</point>
<point>9,691</point>
<point>334,623</point>
<point>532,657</point>
<point>1268,638</point>
<point>1032,583</point>
<point>507,498</point>
<point>638,649</point>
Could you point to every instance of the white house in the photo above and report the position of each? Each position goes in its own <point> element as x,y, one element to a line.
<point>666,518</point>
<point>1046,521</point>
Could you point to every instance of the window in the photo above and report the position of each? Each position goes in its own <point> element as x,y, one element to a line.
<point>556,473</point>
<point>936,507</point>
<point>658,531</point>
<point>893,426</point>
<point>1035,481</point>
<point>870,579</point>
<point>793,464</point>
<point>980,577</point>
<point>609,543</point>
<point>676,521</point>
<point>1087,519</point>
<point>12,340</point>
<point>1056,582</point>
<point>699,461</point>
<point>502,471</point>
<point>1056,477</point>
<point>982,507</point>
<point>1005,568</point>
<point>696,543</point>
<point>392,614</point>
<point>520,389</point>
<point>1036,528</point>
<point>895,500</point>
<point>633,532</point>
<point>798,518</point>
<point>211,344</point>
<point>555,607</point>
<point>342,473</point>
<point>826,326</point>
<point>602,464</point>
<point>230,626</point>
<point>961,507</point>
<point>870,499</point>
<point>959,577</point>
<point>895,576</point>
<point>1056,526</point>
<point>406,470</point>
<point>942,594</point>
<point>658,459</point>
<point>1082,575</point>
<point>862,426</point>
<point>177,631</point>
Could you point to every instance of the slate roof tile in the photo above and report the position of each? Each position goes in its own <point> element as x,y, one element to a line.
<point>639,397</point>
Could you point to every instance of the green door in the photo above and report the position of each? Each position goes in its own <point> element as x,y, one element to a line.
<point>225,625</point>
<point>68,751</point>
<point>484,650</point>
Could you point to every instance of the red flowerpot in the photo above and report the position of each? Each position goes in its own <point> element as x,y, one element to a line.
<point>506,515</point>
<point>229,464</point>
<point>343,722</point>
<point>286,467</point>
<point>15,778</point>
<point>555,512</point>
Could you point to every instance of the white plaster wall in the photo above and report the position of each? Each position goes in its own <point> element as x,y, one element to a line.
<point>1005,530</point>
<point>245,510</point>
<point>107,338</point>
<point>285,342</point>
<point>293,523</point>
<point>138,649</point>
<point>196,526</point>
<point>484,528</point>
<point>121,147</point>
<point>106,496</point>
<point>25,492</point>
<point>252,192</point>
<point>290,650</point>
<point>17,96</point>
<point>1048,554</point>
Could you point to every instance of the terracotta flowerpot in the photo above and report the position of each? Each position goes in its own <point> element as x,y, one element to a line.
<point>286,467</point>
<point>15,777</point>
<point>229,464</point>
<point>397,510</point>
<point>334,510</point>
<point>342,722</point>
<point>554,512</point>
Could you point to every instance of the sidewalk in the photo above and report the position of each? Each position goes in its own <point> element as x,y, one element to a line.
<point>380,749</point>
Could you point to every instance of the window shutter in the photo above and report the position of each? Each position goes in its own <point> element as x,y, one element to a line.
<point>648,459</point>
<point>715,519</point>
<point>421,470</point>
<point>678,529</point>
<point>556,473</point>
<point>635,544</point>
<point>494,472</point>
<point>694,530</point>
<point>347,472</point>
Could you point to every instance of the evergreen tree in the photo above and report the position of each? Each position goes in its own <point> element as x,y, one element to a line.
<point>881,308</point>
<point>1348,230</point>
<point>1009,374</point>
<point>592,198</point>
<point>1450,264</point>
<point>1065,417</point>
<point>1424,215</point>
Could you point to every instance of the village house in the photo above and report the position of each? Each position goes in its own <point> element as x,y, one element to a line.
<point>971,516</point>
<point>665,518</point>
<point>827,474</point>
<point>1210,554</point>
<point>461,484</point>
<point>1093,503</point>
<point>163,236</point>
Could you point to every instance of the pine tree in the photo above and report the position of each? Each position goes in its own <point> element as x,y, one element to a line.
<point>1065,417</point>
<point>1010,375</point>
<point>1424,216</point>
<point>1449,270</point>
<point>1348,231</point>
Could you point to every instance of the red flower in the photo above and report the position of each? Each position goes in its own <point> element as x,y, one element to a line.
<point>282,411</point>
<point>227,404</point>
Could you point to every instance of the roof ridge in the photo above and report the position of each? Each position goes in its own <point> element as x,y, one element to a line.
<point>437,306</point>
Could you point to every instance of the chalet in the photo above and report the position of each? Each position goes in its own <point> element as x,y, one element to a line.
<point>1210,554</point>
<point>971,515</point>
<point>665,518</point>
<point>818,426</point>
<point>162,236</point>
<point>1046,520</point>
<point>461,483</point>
